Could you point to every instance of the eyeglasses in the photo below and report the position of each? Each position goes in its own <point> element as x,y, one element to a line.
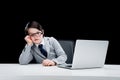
<point>34,34</point>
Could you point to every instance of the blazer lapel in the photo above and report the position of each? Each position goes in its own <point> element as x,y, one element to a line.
<point>47,46</point>
<point>37,51</point>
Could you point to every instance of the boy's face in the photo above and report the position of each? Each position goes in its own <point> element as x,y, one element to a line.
<point>35,35</point>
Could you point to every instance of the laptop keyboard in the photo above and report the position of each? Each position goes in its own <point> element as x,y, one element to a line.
<point>65,65</point>
<point>68,65</point>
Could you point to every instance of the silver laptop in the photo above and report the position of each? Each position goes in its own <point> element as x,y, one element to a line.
<point>88,54</point>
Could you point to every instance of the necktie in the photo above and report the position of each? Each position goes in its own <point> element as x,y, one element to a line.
<point>43,51</point>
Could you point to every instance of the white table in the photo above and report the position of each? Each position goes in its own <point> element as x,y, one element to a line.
<point>39,72</point>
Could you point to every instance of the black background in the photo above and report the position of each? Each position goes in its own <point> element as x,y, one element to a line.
<point>63,23</point>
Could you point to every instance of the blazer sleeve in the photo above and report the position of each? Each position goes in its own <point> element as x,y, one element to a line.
<point>61,55</point>
<point>26,56</point>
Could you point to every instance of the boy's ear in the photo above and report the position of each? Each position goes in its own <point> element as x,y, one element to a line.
<point>42,31</point>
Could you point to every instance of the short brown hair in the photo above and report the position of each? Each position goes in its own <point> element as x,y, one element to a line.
<point>33,24</point>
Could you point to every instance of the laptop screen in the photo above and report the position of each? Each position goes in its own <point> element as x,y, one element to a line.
<point>89,53</point>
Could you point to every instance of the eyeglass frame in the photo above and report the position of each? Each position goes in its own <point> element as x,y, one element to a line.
<point>34,34</point>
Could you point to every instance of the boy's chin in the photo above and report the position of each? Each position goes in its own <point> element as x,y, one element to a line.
<point>36,42</point>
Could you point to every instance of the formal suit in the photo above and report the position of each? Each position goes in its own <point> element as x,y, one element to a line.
<point>54,52</point>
